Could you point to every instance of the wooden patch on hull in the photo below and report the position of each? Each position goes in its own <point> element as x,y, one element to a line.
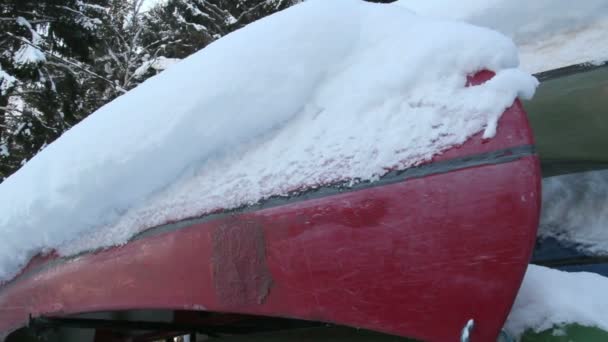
<point>240,274</point>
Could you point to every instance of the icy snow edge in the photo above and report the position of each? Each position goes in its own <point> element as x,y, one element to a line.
<point>549,298</point>
<point>323,92</point>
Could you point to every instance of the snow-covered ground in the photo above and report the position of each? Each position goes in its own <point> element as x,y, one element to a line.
<point>549,33</point>
<point>325,91</point>
<point>550,298</point>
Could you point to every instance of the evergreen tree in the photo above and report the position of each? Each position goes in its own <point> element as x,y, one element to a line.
<point>43,47</point>
<point>182,27</point>
<point>60,60</point>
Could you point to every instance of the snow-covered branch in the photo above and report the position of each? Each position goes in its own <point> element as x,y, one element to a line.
<point>84,20</point>
<point>50,54</point>
<point>36,21</point>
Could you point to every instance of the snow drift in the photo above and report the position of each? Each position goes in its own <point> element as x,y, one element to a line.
<point>549,298</point>
<point>323,92</point>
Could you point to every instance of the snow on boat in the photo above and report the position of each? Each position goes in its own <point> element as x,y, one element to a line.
<point>565,44</point>
<point>332,255</point>
<point>387,196</point>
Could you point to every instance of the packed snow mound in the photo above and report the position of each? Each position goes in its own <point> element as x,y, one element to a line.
<point>323,92</point>
<point>575,210</point>
<point>549,298</point>
<point>550,33</point>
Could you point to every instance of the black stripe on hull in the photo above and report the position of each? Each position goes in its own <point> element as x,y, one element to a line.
<point>489,158</point>
<point>483,159</point>
<point>568,70</point>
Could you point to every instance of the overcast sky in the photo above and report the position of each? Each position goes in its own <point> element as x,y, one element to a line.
<point>149,3</point>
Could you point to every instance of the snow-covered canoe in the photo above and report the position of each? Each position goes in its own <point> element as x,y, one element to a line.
<point>417,253</point>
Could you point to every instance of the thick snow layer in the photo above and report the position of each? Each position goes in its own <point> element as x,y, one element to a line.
<point>325,91</point>
<point>575,210</point>
<point>549,33</point>
<point>549,298</point>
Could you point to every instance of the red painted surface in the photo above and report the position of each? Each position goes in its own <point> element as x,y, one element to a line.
<point>416,258</point>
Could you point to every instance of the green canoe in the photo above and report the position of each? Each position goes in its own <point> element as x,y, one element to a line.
<point>569,116</point>
<point>567,333</point>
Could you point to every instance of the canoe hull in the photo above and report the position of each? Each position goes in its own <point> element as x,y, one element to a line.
<point>410,259</point>
<point>415,255</point>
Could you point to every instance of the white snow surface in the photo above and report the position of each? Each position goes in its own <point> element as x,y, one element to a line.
<point>323,92</point>
<point>549,298</point>
<point>575,210</point>
<point>549,33</point>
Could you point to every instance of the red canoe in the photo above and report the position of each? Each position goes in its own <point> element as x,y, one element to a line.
<point>417,254</point>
